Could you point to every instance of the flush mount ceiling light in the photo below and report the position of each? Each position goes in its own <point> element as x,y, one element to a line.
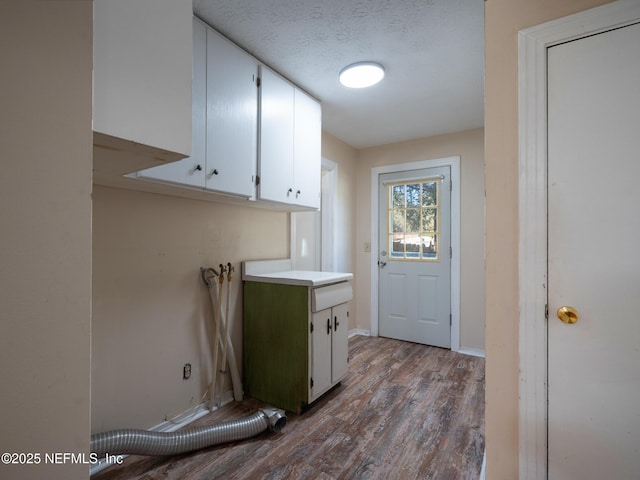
<point>361,74</point>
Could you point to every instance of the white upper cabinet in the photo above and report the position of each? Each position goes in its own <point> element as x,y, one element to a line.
<point>275,162</point>
<point>254,134</point>
<point>190,171</point>
<point>232,117</point>
<point>224,118</point>
<point>290,140</point>
<point>142,75</point>
<point>307,142</point>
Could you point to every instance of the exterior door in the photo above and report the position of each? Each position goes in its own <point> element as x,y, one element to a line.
<point>415,256</point>
<point>594,257</point>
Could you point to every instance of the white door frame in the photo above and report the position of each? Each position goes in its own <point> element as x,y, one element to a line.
<point>454,164</point>
<point>323,224</point>
<point>328,215</point>
<point>532,125</point>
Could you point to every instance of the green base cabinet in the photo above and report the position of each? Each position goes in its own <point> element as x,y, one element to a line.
<point>292,354</point>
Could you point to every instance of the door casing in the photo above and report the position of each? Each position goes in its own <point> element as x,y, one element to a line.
<point>532,101</point>
<point>454,164</point>
<point>317,228</point>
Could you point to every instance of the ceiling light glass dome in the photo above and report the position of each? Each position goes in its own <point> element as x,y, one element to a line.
<point>361,74</point>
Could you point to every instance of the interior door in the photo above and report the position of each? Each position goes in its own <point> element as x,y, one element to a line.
<point>415,256</point>
<point>594,257</point>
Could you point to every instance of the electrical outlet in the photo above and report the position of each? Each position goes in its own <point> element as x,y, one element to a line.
<point>186,371</point>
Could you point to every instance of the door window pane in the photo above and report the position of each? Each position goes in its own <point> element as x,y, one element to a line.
<point>413,195</point>
<point>397,196</point>
<point>429,193</point>
<point>397,245</point>
<point>397,215</point>
<point>413,220</point>
<point>429,247</point>
<point>429,219</point>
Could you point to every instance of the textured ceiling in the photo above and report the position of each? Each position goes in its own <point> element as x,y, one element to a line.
<point>432,51</point>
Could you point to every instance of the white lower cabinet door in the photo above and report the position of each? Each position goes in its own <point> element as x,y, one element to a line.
<point>321,338</point>
<point>329,349</point>
<point>340,342</point>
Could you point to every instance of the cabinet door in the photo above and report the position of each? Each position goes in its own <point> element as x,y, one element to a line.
<point>320,368</point>
<point>340,347</point>
<point>275,163</point>
<point>232,111</point>
<point>307,151</point>
<point>141,72</point>
<point>190,171</point>
<point>276,344</point>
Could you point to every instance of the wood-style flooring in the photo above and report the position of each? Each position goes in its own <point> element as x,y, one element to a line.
<point>405,411</point>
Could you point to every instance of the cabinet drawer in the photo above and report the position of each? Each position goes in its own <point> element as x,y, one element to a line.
<point>326,297</point>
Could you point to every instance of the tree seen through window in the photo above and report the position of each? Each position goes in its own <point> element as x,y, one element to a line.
<point>413,220</point>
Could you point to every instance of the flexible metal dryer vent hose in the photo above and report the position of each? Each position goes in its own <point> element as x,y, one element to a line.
<point>145,442</point>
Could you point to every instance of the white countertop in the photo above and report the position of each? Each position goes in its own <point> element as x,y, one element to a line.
<point>300,277</point>
<point>260,271</point>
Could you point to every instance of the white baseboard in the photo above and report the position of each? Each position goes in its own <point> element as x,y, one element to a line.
<point>173,424</point>
<point>475,352</point>
<point>359,331</point>
<point>182,420</point>
<point>227,397</point>
<point>484,466</point>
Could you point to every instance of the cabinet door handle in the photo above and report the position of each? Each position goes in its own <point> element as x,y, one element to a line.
<point>198,167</point>
<point>298,193</point>
<point>289,191</point>
<point>215,171</point>
<point>328,326</point>
<point>336,323</point>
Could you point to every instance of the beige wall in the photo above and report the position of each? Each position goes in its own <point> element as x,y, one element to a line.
<point>45,233</point>
<point>503,20</point>
<point>344,239</point>
<point>469,146</point>
<point>345,156</point>
<point>151,310</point>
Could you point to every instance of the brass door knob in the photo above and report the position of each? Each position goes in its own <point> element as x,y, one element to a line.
<point>568,314</point>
